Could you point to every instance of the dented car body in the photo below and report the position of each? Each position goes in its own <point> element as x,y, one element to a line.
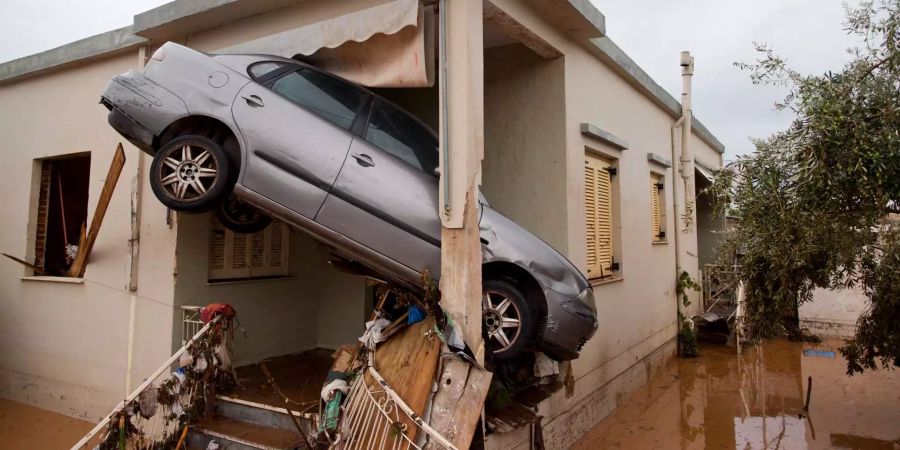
<point>347,167</point>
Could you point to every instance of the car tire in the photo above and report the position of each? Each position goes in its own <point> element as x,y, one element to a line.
<point>508,320</point>
<point>190,173</point>
<point>241,217</point>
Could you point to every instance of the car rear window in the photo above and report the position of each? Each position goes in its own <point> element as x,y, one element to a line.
<point>322,95</point>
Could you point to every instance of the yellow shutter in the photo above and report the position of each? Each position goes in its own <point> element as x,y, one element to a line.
<point>598,216</point>
<point>654,207</point>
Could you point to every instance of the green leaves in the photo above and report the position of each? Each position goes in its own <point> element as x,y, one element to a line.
<point>814,200</point>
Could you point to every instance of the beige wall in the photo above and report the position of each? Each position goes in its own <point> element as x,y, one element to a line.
<point>833,313</point>
<point>63,346</point>
<point>523,172</point>
<point>315,306</point>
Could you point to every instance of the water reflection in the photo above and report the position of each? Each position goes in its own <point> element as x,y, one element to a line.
<point>755,401</point>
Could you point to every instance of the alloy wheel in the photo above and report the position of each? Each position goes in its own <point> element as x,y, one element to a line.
<point>188,172</point>
<point>501,318</point>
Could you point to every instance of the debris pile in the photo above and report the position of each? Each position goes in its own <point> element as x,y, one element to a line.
<point>159,416</point>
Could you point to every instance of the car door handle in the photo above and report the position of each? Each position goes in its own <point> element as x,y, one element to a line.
<point>363,159</point>
<point>254,101</point>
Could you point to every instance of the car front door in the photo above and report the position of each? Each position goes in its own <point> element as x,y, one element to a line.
<point>387,192</point>
<point>297,129</point>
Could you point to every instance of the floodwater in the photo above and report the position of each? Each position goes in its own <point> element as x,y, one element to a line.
<point>755,401</point>
<point>27,427</point>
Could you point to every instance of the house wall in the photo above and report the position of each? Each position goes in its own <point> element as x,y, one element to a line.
<point>63,346</point>
<point>637,312</point>
<point>833,313</point>
<point>523,171</point>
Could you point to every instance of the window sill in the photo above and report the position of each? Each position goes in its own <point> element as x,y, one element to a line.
<point>607,280</point>
<point>69,280</point>
<point>660,242</point>
<point>250,280</point>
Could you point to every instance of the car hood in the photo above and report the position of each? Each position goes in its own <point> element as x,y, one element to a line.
<point>505,240</point>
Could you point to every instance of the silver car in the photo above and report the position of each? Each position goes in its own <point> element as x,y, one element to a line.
<point>257,136</point>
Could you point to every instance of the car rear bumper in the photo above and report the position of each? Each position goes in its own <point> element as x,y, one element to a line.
<point>140,109</point>
<point>570,324</point>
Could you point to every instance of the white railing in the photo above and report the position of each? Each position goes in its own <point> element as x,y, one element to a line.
<point>190,322</point>
<point>165,420</point>
<point>375,417</point>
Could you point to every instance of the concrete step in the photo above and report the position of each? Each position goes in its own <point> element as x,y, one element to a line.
<point>233,434</point>
<point>259,414</point>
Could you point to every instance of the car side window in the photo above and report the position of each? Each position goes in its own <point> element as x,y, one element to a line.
<point>322,95</point>
<point>261,69</point>
<point>395,132</point>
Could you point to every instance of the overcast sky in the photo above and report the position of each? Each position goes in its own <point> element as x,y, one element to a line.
<point>653,32</point>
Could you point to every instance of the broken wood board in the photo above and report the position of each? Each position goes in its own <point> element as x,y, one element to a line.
<point>459,401</point>
<point>87,244</point>
<point>408,362</point>
<point>37,270</point>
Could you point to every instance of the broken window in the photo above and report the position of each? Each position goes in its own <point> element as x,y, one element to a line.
<point>235,256</point>
<point>61,211</point>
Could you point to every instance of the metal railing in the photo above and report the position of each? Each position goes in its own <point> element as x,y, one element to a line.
<point>190,322</point>
<point>719,285</point>
<point>163,421</point>
<point>375,417</point>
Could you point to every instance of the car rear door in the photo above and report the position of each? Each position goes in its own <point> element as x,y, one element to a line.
<point>387,192</point>
<point>296,126</point>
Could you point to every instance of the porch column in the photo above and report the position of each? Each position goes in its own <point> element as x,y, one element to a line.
<point>462,149</point>
<point>462,388</point>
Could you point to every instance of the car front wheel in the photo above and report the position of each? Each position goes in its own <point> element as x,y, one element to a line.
<point>507,319</point>
<point>190,173</point>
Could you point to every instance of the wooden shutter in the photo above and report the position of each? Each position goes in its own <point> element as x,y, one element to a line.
<point>655,216</point>
<point>598,216</point>
<point>237,256</point>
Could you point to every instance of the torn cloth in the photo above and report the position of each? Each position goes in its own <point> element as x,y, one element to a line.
<point>373,334</point>
<point>334,386</point>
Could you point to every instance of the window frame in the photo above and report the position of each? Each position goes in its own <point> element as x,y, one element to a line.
<point>612,165</point>
<point>661,237</point>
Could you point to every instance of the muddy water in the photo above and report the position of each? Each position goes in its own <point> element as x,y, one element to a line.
<point>26,427</point>
<point>722,401</point>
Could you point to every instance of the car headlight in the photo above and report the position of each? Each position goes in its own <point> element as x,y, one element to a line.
<point>583,305</point>
<point>587,297</point>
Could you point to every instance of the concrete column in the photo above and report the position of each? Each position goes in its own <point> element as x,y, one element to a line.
<point>462,149</point>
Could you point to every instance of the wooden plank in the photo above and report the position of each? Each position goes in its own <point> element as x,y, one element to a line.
<point>109,185</point>
<point>36,269</point>
<point>408,361</point>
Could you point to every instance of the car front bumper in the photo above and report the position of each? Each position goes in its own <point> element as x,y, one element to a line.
<point>571,322</point>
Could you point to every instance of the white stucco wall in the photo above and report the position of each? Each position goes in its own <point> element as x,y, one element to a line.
<point>63,346</point>
<point>833,313</point>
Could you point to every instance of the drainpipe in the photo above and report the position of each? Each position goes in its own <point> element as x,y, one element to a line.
<point>134,245</point>
<point>687,154</point>
<point>685,165</point>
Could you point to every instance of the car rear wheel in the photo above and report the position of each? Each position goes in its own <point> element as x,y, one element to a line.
<point>190,173</point>
<point>508,320</point>
<point>241,217</point>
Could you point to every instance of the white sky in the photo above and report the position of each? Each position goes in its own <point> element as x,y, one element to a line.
<point>809,33</point>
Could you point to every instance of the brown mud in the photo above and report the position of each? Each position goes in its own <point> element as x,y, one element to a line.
<point>756,401</point>
<point>27,427</point>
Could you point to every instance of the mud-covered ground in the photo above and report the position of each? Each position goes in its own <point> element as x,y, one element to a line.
<point>755,401</point>
<point>26,427</point>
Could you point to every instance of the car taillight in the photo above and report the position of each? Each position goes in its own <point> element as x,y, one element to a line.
<point>158,55</point>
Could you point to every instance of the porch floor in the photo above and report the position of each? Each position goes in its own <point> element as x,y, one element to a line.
<point>299,376</point>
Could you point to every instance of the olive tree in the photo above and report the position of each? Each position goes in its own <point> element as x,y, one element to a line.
<point>818,202</point>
